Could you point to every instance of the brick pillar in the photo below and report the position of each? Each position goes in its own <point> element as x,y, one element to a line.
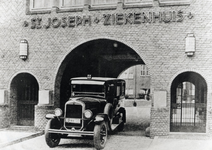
<point>159,122</point>
<point>45,106</point>
<point>40,113</point>
<point>209,113</point>
<point>4,116</point>
<point>4,110</point>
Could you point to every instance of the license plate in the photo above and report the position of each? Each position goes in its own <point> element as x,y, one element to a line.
<point>72,120</point>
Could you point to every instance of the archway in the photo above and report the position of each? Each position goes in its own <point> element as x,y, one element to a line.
<point>24,96</point>
<point>188,103</point>
<point>102,58</point>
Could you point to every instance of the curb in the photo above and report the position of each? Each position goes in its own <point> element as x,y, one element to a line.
<point>22,139</point>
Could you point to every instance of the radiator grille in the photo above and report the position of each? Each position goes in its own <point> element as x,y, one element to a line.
<point>73,117</point>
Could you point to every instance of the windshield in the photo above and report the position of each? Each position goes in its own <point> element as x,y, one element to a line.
<point>88,90</point>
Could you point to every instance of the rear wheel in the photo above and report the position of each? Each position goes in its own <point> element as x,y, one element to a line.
<point>100,135</point>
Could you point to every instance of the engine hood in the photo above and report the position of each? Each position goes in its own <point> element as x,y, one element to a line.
<point>89,102</point>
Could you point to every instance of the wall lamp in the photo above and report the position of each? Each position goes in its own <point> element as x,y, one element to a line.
<point>23,53</point>
<point>190,45</point>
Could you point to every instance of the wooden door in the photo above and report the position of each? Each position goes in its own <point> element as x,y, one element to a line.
<point>27,97</point>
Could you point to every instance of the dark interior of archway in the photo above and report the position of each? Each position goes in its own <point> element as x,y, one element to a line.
<point>100,58</point>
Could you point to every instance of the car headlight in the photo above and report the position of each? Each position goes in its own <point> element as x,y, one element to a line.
<point>88,114</point>
<point>58,112</point>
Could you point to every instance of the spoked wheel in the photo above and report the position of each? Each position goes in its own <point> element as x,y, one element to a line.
<point>100,135</point>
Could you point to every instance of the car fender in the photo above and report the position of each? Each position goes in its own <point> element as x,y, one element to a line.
<point>50,116</point>
<point>53,123</point>
<point>103,117</point>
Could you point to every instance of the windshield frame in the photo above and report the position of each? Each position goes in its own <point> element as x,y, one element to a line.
<point>87,93</point>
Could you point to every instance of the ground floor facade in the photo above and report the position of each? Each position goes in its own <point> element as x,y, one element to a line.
<point>182,105</point>
<point>40,52</point>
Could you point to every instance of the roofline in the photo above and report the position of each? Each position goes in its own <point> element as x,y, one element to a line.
<point>96,78</point>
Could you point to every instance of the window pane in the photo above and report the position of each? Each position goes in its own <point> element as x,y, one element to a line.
<point>132,0</point>
<point>73,2</point>
<point>130,92</point>
<point>38,4</point>
<point>45,3</point>
<point>97,2</point>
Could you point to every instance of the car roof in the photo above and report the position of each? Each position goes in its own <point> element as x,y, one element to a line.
<point>97,79</point>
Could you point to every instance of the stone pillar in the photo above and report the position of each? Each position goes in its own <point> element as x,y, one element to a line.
<point>45,106</point>
<point>3,97</point>
<point>4,110</point>
<point>159,115</point>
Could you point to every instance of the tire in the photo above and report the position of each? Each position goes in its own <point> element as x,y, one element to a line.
<point>100,135</point>
<point>52,139</point>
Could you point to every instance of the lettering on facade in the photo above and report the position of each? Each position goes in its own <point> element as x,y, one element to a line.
<point>108,19</point>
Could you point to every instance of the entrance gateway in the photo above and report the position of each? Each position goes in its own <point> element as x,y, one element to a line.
<point>188,103</point>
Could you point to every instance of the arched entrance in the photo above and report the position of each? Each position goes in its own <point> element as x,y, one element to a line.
<point>101,58</point>
<point>188,103</point>
<point>24,97</point>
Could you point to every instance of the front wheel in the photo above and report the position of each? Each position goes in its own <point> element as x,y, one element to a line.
<point>52,139</point>
<point>100,135</point>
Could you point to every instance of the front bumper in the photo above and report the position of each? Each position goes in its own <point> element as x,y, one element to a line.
<point>71,132</point>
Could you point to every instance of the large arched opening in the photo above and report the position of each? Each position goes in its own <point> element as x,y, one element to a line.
<point>100,58</point>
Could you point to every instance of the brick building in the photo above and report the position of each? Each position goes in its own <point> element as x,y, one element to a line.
<point>137,81</point>
<point>46,42</point>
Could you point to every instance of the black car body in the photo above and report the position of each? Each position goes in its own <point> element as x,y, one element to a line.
<point>94,109</point>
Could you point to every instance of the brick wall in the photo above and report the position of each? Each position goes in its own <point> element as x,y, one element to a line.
<point>4,116</point>
<point>40,113</point>
<point>159,122</point>
<point>160,45</point>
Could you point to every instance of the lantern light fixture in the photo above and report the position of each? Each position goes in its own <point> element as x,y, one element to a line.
<point>23,53</point>
<point>190,45</point>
